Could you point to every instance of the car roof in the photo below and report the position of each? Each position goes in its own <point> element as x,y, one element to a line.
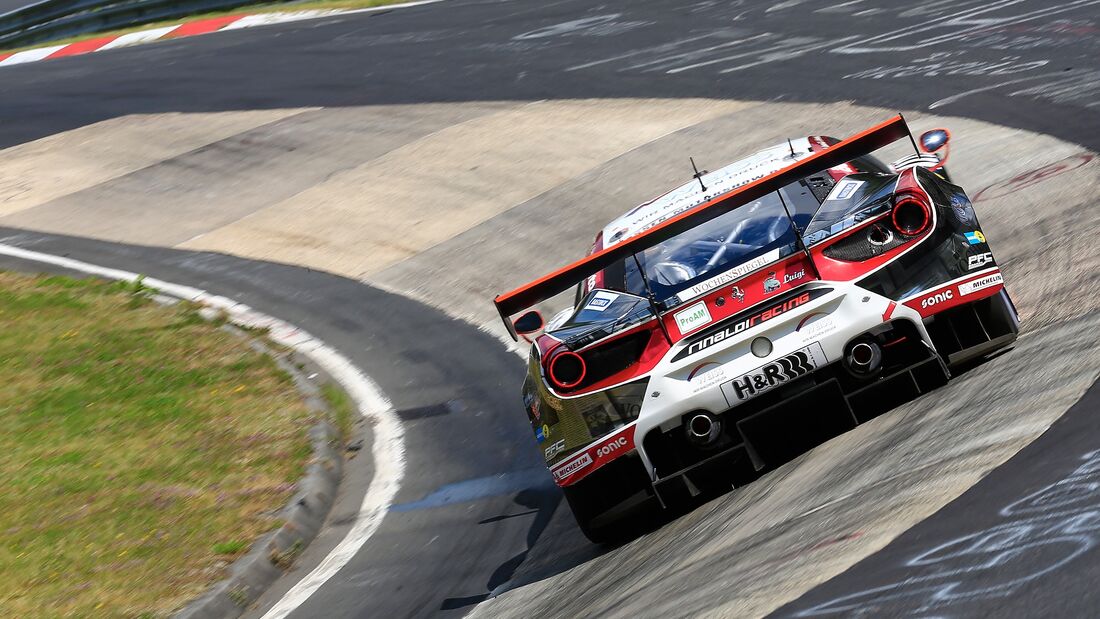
<point>691,194</point>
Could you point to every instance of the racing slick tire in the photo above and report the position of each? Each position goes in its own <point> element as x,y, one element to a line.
<point>606,502</point>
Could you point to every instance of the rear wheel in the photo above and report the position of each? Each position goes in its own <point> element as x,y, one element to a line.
<point>605,503</point>
<point>585,514</point>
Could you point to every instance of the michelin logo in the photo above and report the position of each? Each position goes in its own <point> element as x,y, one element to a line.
<point>980,284</point>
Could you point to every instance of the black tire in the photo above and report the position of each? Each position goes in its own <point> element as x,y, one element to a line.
<point>583,513</point>
<point>602,502</point>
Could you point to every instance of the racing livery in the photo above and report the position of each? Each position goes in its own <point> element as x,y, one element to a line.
<point>753,313</point>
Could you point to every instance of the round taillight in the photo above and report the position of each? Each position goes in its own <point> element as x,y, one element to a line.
<point>567,369</point>
<point>911,215</point>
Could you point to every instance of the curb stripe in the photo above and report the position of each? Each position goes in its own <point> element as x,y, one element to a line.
<point>30,55</point>
<point>203,26</point>
<point>186,29</point>
<point>81,47</point>
<point>142,36</point>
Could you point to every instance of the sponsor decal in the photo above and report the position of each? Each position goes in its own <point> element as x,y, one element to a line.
<point>618,235</point>
<point>738,294</point>
<point>611,447</point>
<point>595,455</point>
<point>747,320</point>
<point>572,466</point>
<point>555,449</point>
<point>791,277</point>
<point>540,433</point>
<point>600,301</point>
<point>975,262</point>
<point>975,238</point>
<point>770,375</point>
<point>705,376</point>
<point>980,284</point>
<point>693,317</point>
<point>771,284</point>
<point>817,328</point>
<point>728,276</point>
<point>698,371</point>
<point>936,299</point>
<point>844,189</point>
<point>964,212</point>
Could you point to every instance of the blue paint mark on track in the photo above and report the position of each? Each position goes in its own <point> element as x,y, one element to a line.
<point>480,488</point>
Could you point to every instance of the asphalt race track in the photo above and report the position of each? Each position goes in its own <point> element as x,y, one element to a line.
<point>376,178</point>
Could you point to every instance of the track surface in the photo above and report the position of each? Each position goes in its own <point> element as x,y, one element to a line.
<point>1036,62</point>
<point>474,504</point>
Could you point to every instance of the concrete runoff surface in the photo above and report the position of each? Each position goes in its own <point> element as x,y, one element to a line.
<point>770,541</point>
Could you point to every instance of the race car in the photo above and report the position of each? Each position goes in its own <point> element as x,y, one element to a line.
<point>751,314</point>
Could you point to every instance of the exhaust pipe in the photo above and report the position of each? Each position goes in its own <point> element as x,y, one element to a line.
<point>703,429</point>
<point>864,357</point>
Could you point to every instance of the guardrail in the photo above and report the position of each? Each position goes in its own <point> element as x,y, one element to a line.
<point>58,19</point>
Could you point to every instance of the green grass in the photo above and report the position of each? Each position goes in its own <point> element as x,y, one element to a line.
<point>341,408</point>
<point>263,7</point>
<point>140,446</point>
<point>230,548</point>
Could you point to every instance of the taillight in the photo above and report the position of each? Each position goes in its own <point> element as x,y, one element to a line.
<point>566,369</point>
<point>912,214</point>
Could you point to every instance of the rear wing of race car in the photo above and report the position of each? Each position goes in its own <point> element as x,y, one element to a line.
<point>564,278</point>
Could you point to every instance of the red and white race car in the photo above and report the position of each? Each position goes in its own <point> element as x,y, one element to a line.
<point>753,313</point>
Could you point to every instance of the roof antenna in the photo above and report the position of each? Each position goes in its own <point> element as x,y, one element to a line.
<point>789,144</point>
<point>698,175</point>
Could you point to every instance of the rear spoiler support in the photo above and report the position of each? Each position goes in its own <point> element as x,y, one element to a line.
<point>561,280</point>
<point>649,296</point>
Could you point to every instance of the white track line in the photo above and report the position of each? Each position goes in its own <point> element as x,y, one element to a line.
<point>388,441</point>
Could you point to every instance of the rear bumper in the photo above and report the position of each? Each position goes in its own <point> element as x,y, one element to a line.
<point>772,429</point>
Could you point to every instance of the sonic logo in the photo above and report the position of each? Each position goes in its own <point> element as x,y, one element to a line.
<point>936,299</point>
<point>594,456</point>
<point>613,446</point>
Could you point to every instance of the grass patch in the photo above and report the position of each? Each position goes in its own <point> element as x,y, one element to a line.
<point>230,548</point>
<point>254,9</point>
<point>341,407</point>
<point>133,434</point>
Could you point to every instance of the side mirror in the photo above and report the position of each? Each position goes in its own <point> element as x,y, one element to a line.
<point>934,140</point>
<point>528,323</point>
